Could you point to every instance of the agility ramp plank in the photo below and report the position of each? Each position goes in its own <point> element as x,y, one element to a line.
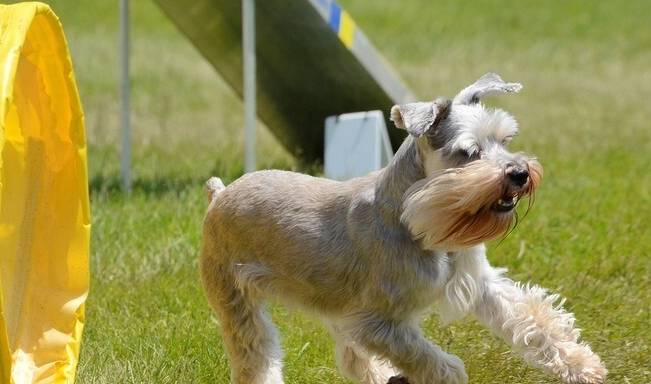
<point>312,62</point>
<point>44,205</point>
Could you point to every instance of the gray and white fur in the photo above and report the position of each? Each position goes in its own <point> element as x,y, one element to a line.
<point>371,256</point>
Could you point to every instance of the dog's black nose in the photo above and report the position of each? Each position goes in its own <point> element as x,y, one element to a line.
<point>518,176</point>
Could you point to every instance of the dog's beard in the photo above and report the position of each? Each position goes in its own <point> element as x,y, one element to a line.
<point>454,208</point>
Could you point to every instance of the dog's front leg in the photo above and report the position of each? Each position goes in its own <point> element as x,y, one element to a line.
<point>404,345</point>
<point>536,325</point>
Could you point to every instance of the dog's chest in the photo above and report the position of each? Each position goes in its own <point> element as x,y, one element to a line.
<point>413,284</point>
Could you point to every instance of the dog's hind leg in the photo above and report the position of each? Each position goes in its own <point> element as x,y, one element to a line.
<point>250,338</point>
<point>357,364</point>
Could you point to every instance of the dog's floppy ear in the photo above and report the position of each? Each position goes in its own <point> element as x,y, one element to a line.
<point>489,84</point>
<point>418,118</point>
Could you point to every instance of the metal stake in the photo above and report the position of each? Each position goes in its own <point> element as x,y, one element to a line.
<point>125,161</point>
<point>248,53</point>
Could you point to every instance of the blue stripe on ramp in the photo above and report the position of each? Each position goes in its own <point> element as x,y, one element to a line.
<point>335,14</point>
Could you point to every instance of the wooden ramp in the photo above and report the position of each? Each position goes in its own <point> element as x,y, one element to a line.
<point>312,62</point>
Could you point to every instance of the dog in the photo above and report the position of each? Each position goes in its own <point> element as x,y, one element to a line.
<point>372,255</point>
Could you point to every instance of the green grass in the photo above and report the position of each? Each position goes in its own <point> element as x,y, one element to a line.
<point>584,112</point>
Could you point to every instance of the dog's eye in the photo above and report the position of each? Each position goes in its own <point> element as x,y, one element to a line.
<point>507,140</point>
<point>470,154</point>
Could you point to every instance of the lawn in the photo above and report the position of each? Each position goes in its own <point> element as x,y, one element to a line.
<point>584,112</point>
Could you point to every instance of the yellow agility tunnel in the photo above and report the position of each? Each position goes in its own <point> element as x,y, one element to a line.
<point>44,206</point>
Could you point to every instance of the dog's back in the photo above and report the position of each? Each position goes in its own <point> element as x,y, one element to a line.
<point>278,230</point>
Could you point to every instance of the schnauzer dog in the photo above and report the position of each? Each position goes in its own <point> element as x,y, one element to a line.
<point>371,255</point>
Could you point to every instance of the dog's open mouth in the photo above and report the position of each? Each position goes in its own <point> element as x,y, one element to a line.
<point>505,203</point>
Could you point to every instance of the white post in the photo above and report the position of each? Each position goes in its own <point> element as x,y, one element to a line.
<point>248,54</point>
<point>125,162</point>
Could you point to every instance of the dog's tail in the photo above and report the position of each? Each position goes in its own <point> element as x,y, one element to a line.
<point>214,186</point>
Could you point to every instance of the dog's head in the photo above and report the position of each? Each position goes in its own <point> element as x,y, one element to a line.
<point>473,183</point>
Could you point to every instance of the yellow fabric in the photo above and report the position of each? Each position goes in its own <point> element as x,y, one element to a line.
<point>44,212</point>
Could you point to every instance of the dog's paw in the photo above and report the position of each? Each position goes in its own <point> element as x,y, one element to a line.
<point>583,366</point>
<point>588,375</point>
<point>453,371</point>
<point>398,380</point>
<point>449,370</point>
